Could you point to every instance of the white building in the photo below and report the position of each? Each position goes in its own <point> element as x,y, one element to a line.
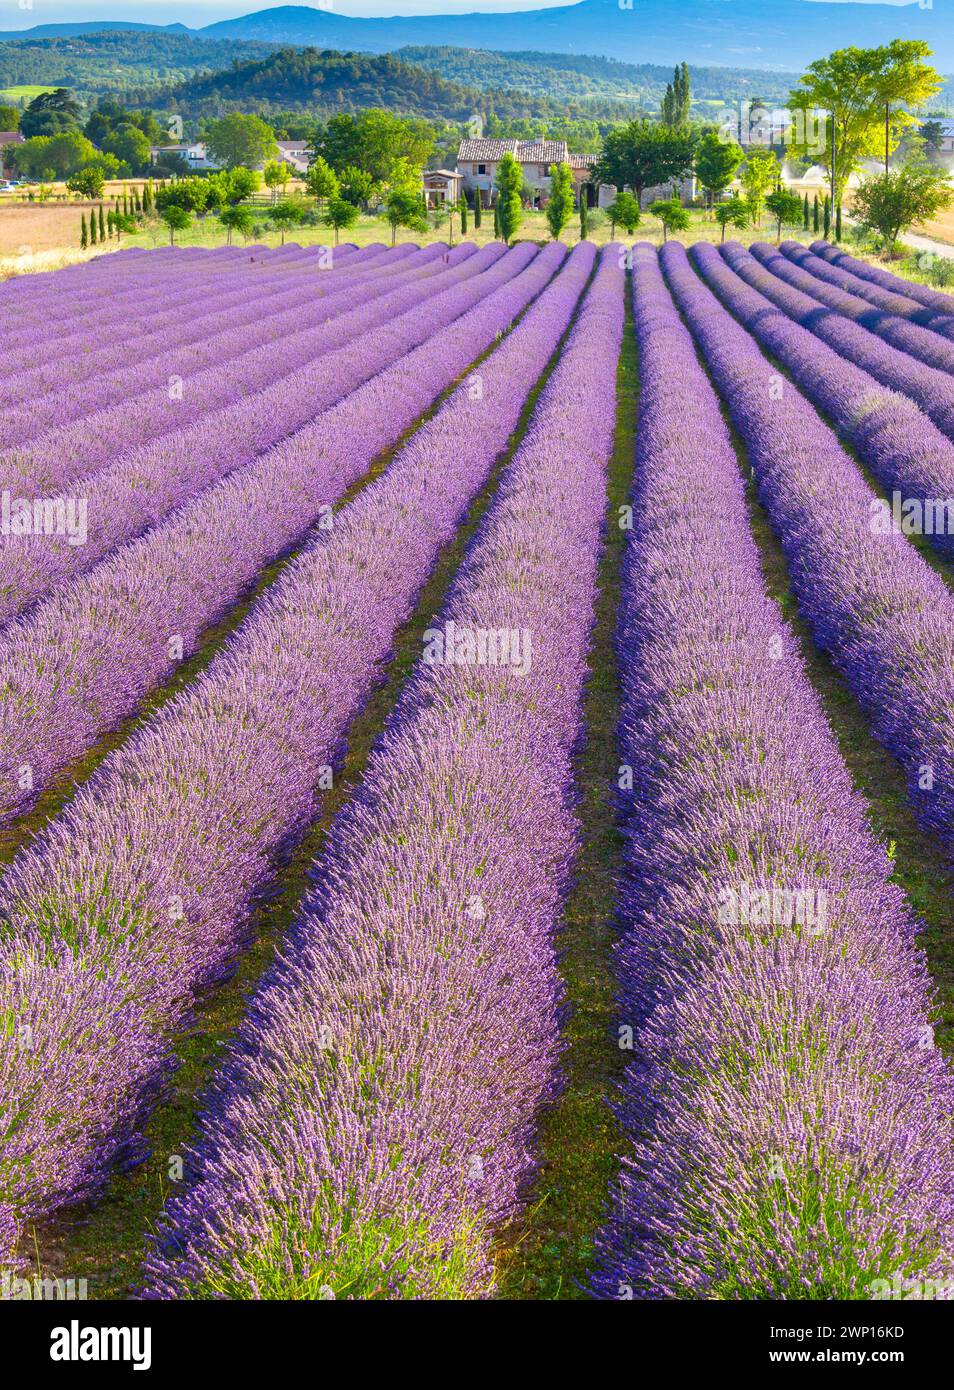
<point>195,155</point>
<point>294,153</point>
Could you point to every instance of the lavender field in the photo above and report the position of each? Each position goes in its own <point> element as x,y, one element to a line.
<point>477,775</point>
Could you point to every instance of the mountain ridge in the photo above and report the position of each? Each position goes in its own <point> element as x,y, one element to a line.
<point>738,33</point>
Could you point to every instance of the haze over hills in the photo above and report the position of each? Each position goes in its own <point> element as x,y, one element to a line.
<point>739,33</point>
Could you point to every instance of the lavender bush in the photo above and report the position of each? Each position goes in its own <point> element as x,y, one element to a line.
<point>787,1116</point>
<point>239,411</point>
<point>380,1161</point>
<point>138,894</point>
<point>884,615</point>
<point>902,447</point>
<point>133,618</point>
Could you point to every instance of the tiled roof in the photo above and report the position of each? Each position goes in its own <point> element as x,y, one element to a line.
<point>524,151</point>
<point>582,161</point>
<point>11,137</point>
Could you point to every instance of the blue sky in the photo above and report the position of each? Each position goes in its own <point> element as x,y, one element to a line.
<point>208,11</point>
<point>19,14</point>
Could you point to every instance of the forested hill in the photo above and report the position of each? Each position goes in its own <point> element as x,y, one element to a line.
<point>323,82</point>
<point>118,60</point>
<point>587,76</point>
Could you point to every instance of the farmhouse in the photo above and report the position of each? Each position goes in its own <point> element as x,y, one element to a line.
<point>196,155</point>
<point>442,186</point>
<point>477,161</point>
<point>294,153</point>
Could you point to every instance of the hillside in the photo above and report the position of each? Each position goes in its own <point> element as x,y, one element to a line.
<point>786,35</point>
<point>590,76</point>
<point>117,60</point>
<point>324,82</point>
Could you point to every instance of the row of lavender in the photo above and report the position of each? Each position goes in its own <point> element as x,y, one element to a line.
<point>83,660</point>
<point>102,351</point>
<point>82,431</point>
<point>372,1128</point>
<point>789,1121</point>
<point>885,347</point>
<point>139,893</point>
<point>60,321</point>
<point>169,447</point>
<point>885,616</point>
<point>901,445</point>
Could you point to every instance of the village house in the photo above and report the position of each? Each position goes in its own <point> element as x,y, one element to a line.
<point>294,153</point>
<point>477,161</point>
<point>442,186</point>
<point>195,155</point>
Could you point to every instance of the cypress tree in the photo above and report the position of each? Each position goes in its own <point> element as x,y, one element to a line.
<point>92,227</point>
<point>463,215</point>
<point>583,211</point>
<point>84,236</point>
<point>476,209</point>
<point>110,224</point>
<point>102,224</point>
<point>826,219</point>
<point>815,222</point>
<point>498,234</point>
<point>838,222</point>
<point>805,212</point>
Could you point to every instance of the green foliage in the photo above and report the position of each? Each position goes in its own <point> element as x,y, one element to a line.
<point>176,218</point>
<point>357,186</point>
<point>9,117</point>
<point>624,212</point>
<point>59,155</point>
<point>891,203</point>
<point>584,215</point>
<point>240,139</point>
<point>760,173</point>
<point>237,219</point>
<point>87,182</point>
<point>642,154</point>
<point>50,113</point>
<point>286,214</point>
<point>734,212</point>
<point>508,207</point>
<point>374,141</point>
<point>716,163</point>
<point>322,181</point>
<point>867,90</point>
<point>339,213</point>
<point>276,175</point>
<point>84,235</point>
<point>672,215</point>
<point>785,207</point>
<point>559,207</point>
<point>677,99</point>
<point>402,208</point>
